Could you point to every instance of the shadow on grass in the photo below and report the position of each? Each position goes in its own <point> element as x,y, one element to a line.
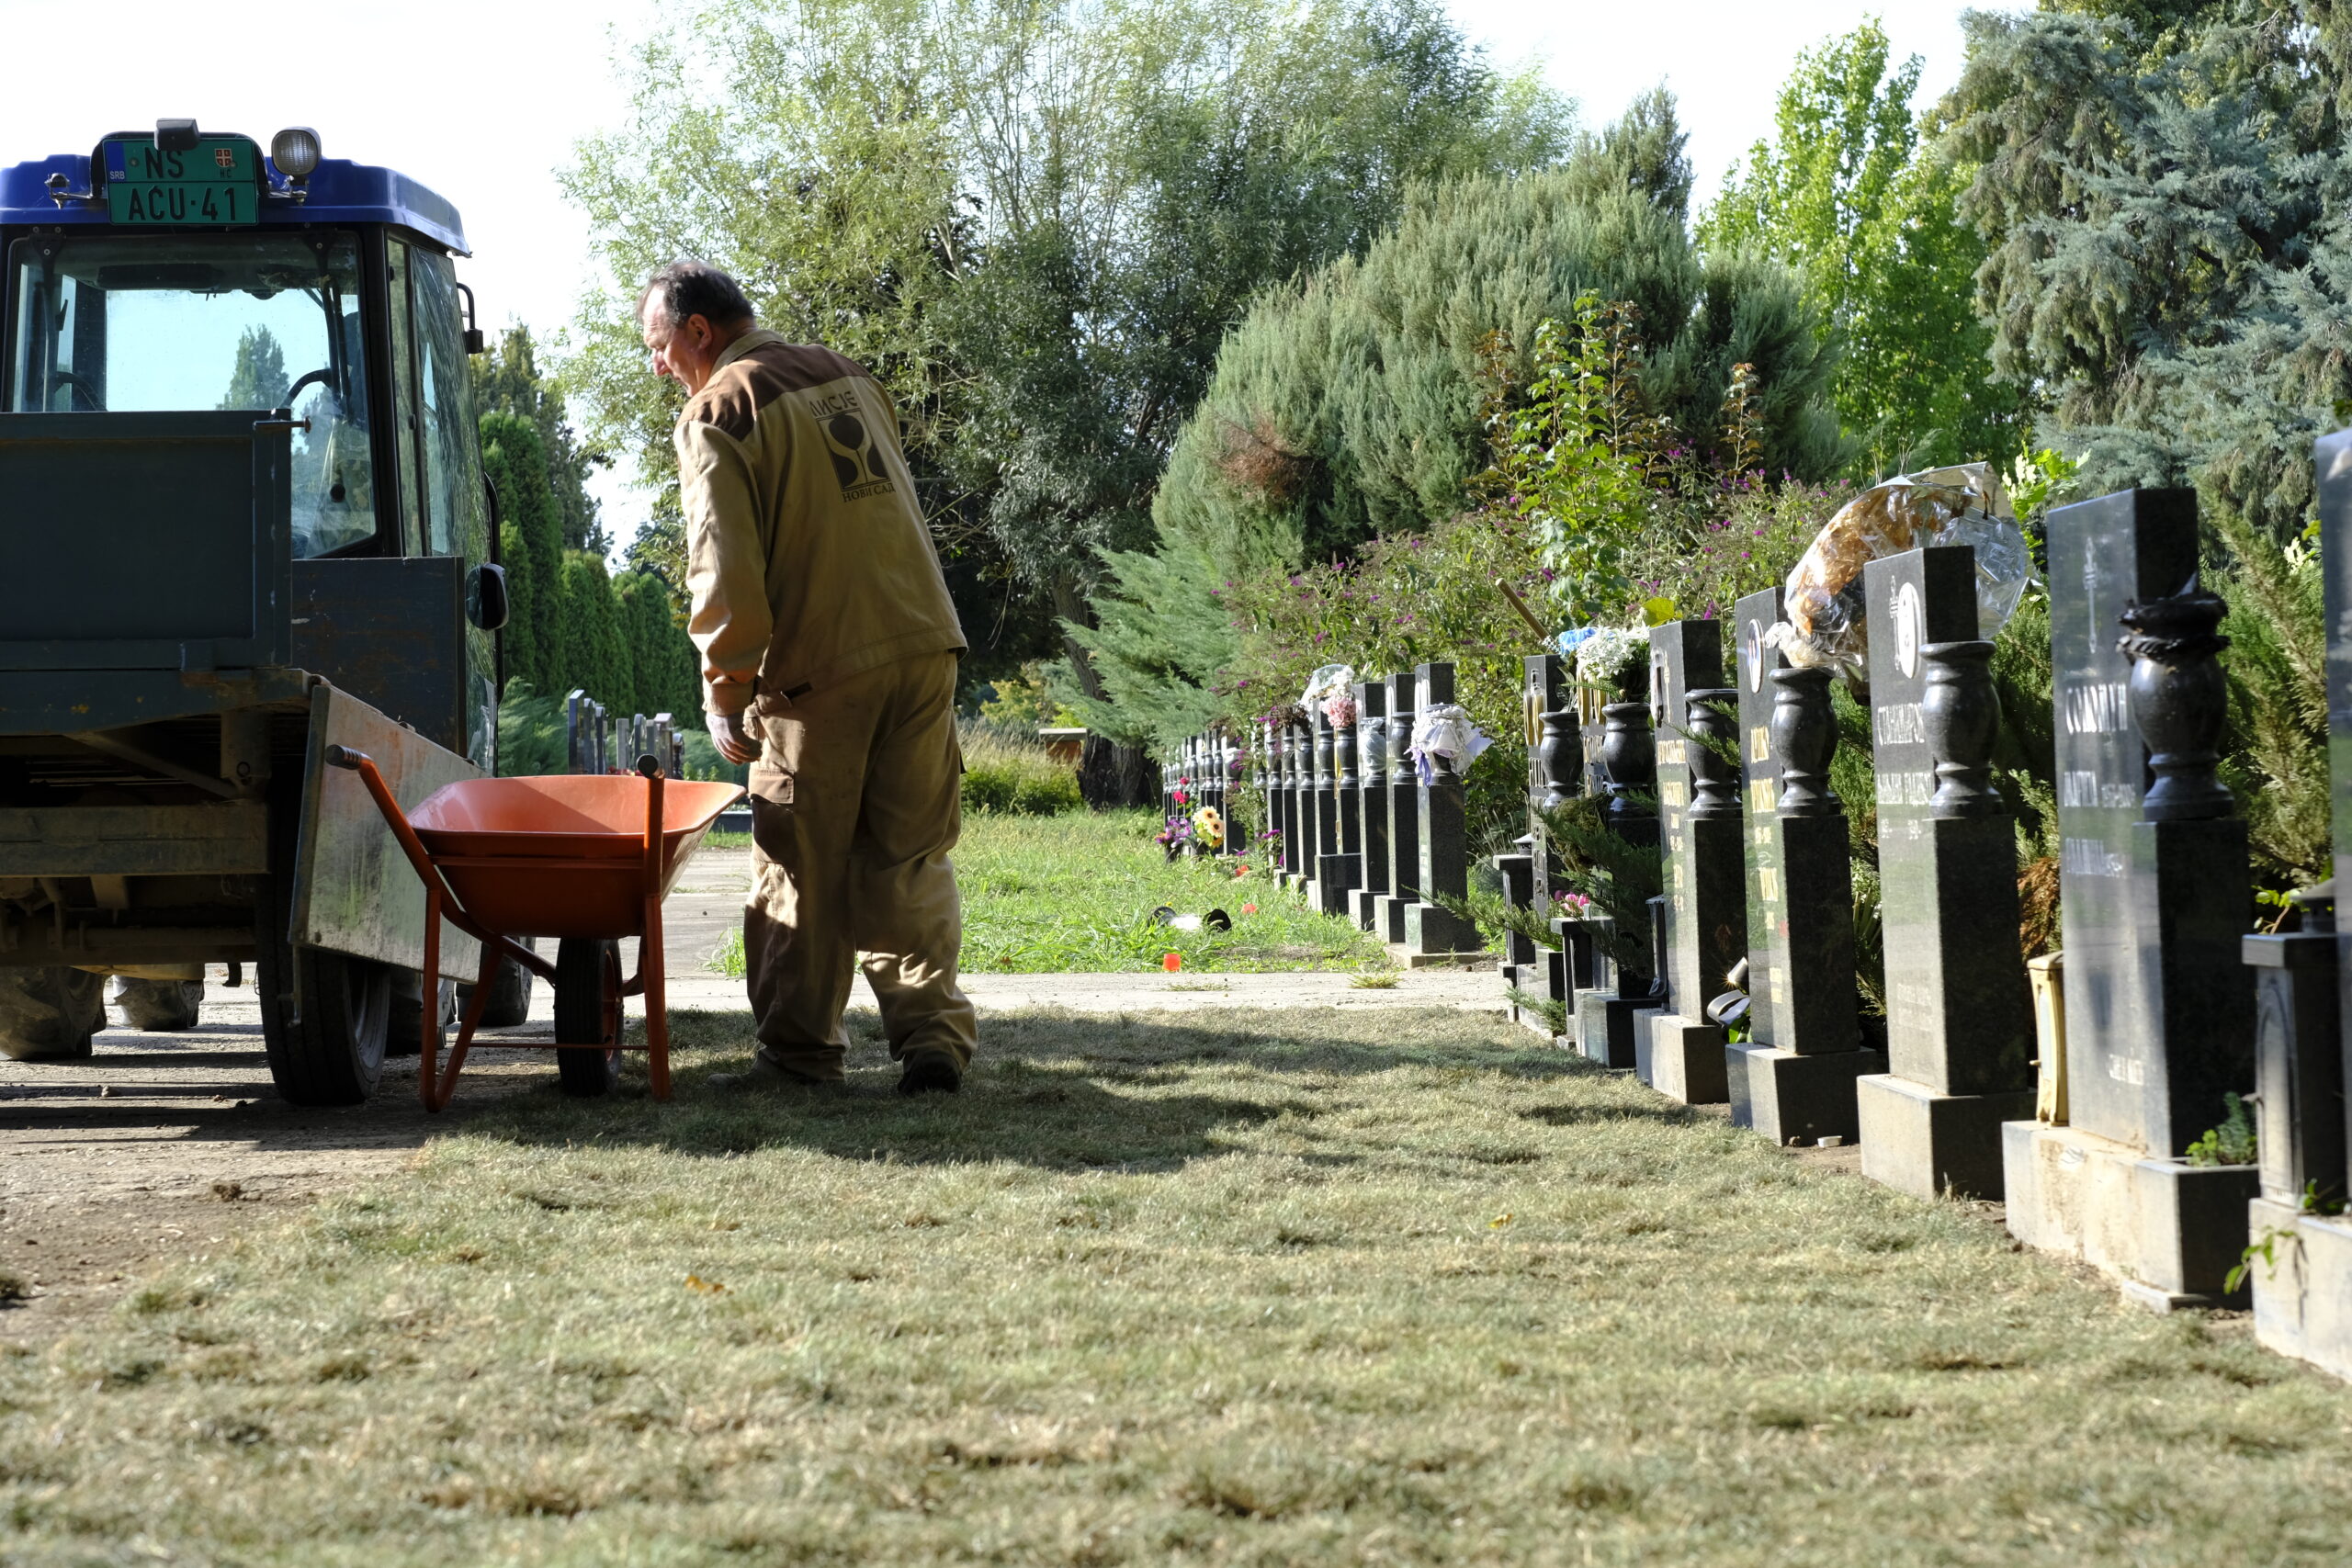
<point>1049,1089</point>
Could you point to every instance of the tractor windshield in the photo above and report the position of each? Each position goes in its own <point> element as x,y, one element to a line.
<point>169,322</point>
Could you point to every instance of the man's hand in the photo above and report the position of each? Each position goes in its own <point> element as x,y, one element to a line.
<point>732,737</point>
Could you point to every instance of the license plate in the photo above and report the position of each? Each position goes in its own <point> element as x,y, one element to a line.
<point>216,182</point>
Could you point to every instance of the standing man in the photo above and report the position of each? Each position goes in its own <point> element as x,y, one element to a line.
<point>829,649</point>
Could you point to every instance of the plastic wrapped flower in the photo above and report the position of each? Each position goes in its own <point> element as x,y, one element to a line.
<point>1208,827</point>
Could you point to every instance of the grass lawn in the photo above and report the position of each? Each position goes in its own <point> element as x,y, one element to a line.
<point>1075,892</point>
<point>1225,1287</point>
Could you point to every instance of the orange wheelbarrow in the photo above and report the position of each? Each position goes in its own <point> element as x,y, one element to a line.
<point>584,858</point>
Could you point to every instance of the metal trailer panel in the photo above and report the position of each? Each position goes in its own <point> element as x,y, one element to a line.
<point>228,838</point>
<point>354,892</point>
<point>144,541</point>
<point>391,631</point>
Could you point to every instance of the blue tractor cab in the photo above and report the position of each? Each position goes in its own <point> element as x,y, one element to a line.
<point>243,516</point>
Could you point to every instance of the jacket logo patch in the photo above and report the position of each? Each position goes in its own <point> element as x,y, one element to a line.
<point>857,460</point>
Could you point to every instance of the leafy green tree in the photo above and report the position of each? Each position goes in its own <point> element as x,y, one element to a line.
<point>1355,404</point>
<point>1847,192</point>
<point>2165,190</point>
<point>257,379</point>
<point>1033,219</point>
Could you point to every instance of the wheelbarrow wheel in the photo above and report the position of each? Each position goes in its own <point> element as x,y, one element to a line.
<point>588,1012</point>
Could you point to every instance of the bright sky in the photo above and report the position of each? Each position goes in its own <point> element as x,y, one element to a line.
<point>483,99</point>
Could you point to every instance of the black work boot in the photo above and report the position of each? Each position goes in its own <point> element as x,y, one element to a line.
<point>931,1072</point>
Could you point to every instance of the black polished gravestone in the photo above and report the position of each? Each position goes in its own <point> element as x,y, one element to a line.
<point>1607,1014</point>
<point>1531,871</point>
<point>1303,745</point>
<point>1431,930</point>
<point>2156,895</point>
<point>1404,818</point>
<point>1960,1030</point>
<point>1676,1049</point>
<point>1342,861</point>
<point>2302,1294</point>
<point>1371,798</point>
<point>1793,1079</point>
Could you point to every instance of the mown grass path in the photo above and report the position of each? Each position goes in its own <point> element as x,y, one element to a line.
<point>1221,1287</point>
<point>1075,893</point>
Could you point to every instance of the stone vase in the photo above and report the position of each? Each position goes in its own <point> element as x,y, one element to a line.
<point>1628,760</point>
<point>1559,758</point>
<point>2179,703</point>
<point>1710,732</point>
<point>1803,737</point>
<point>1960,714</point>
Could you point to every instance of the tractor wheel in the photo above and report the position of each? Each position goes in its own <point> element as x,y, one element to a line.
<point>323,1015</point>
<point>158,1006</point>
<point>588,1012</point>
<point>510,993</point>
<point>50,1014</point>
<point>403,1035</point>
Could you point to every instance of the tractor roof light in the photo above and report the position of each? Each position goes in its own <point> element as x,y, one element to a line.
<point>294,151</point>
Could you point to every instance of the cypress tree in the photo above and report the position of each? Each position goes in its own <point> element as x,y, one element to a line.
<point>530,545</point>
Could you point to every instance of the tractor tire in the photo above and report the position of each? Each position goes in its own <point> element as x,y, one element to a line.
<point>325,1017</point>
<point>510,993</point>
<point>158,1006</point>
<point>588,1012</point>
<point>50,1014</point>
<point>403,1034</point>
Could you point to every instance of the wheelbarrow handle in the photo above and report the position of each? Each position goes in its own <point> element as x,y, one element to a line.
<point>650,766</point>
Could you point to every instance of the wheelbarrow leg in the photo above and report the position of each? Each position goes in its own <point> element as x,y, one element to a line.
<point>650,972</point>
<point>480,1002</point>
<point>429,1041</point>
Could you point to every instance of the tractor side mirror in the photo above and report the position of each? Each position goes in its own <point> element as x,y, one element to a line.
<point>486,596</point>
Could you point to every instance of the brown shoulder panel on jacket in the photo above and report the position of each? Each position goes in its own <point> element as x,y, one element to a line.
<point>735,396</point>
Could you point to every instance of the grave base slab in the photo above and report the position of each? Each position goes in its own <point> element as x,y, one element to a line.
<point>1365,905</point>
<point>1605,1026</point>
<point>2170,1229</point>
<point>1388,917</point>
<point>1682,1059</point>
<point>1334,878</point>
<point>1917,1141</point>
<point>2302,1292</point>
<point>1794,1098</point>
<point>1433,929</point>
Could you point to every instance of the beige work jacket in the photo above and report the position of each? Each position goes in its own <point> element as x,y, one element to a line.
<point>806,555</point>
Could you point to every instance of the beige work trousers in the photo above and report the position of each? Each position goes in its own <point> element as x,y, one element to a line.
<point>856,800</point>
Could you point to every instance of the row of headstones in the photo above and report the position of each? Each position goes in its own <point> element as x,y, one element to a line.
<point>1351,824</point>
<point>598,740</point>
<point>1202,773</point>
<point>2158,1014</point>
<point>2159,1011</point>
